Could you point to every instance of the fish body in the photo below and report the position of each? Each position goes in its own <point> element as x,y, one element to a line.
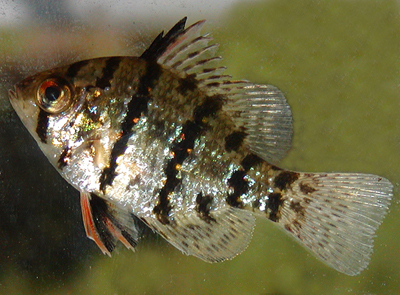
<point>166,138</point>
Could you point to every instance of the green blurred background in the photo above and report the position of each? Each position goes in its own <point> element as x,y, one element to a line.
<point>338,64</point>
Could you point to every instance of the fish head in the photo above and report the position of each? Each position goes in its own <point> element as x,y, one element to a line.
<point>45,92</point>
<point>62,113</point>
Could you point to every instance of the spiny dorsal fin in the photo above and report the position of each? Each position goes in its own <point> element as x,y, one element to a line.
<point>222,237</point>
<point>105,224</point>
<point>336,215</point>
<point>261,110</point>
<point>161,42</point>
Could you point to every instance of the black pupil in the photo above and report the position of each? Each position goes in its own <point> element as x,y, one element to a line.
<point>52,93</point>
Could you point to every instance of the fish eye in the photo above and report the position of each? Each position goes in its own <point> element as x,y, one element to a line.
<point>54,95</point>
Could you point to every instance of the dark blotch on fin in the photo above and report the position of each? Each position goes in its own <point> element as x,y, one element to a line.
<point>161,42</point>
<point>306,188</point>
<point>297,207</point>
<point>234,141</point>
<point>276,168</point>
<point>42,125</point>
<point>274,203</point>
<point>203,207</point>
<point>284,179</point>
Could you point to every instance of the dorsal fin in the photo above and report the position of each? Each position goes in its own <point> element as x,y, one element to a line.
<point>261,111</point>
<point>161,42</point>
<point>189,54</point>
<point>265,115</point>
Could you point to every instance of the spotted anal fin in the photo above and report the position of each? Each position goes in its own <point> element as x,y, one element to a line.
<point>223,236</point>
<point>105,224</point>
<point>260,112</point>
<point>334,215</point>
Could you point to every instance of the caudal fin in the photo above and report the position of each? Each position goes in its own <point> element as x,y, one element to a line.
<point>335,215</point>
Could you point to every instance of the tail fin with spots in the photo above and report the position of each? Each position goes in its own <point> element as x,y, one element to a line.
<point>334,215</point>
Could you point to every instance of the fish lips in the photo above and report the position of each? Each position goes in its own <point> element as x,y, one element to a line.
<point>24,110</point>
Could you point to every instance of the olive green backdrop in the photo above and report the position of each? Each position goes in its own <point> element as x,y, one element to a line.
<point>338,64</point>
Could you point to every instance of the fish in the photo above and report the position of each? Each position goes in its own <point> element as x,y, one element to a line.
<point>169,141</point>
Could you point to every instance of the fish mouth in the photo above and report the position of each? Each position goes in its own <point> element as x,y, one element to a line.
<point>12,95</point>
<point>25,114</point>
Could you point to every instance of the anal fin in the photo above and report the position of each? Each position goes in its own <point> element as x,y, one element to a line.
<point>213,240</point>
<point>105,224</point>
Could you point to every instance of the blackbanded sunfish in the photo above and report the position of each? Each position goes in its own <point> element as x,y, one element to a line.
<point>167,139</point>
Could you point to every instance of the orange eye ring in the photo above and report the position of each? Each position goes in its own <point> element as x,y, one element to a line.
<point>54,95</point>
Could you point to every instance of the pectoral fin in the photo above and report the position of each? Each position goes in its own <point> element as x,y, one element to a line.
<point>105,223</point>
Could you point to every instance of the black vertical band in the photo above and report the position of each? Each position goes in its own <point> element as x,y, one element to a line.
<point>238,182</point>
<point>42,125</point>
<point>108,72</point>
<point>137,107</point>
<point>191,131</point>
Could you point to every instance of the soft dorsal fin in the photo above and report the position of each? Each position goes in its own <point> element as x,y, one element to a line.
<point>265,115</point>
<point>226,234</point>
<point>260,110</point>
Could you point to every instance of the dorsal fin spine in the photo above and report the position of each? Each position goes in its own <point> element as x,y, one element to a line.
<point>193,30</point>
<point>191,57</point>
<point>161,43</point>
<point>261,110</point>
<point>175,52</point>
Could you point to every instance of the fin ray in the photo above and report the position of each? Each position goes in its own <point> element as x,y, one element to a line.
<point>335,216</point>
<point>261,109</point>
<point>90,227</point>
<point>222,238</point>
<point>105,224</point>
<point>266,116</point>
<point>161,43</point>
<point>181,43</point>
